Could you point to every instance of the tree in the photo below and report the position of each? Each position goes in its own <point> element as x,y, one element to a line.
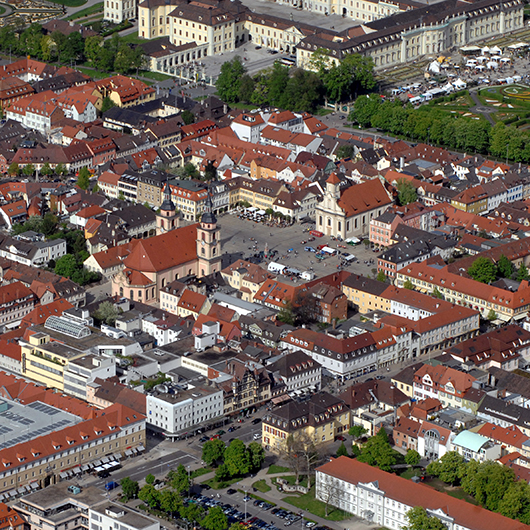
<point>492,315</point>
<point>60,169</point>
<point>406,192</point>
<point>246,88</point>
<point>352,75</point>
<point>179,479</point>
<point>46,170</point>
<point>344,151</point>
<point>93,47</point>
<point>328,492</point>
<point>29,170</point>
<point>290,453</point>
<point>66,266</point>
<point>13,169</point>
<point>419,519</point>
<point>448,468</point>
<point>408,285</point>
<point>437,294</point>
<point>107,313</point>
<point>210,171</point>
<point>412,458</point>
<point>149,495</point>
<point>286,314</point>
<point>229,81</point>
<point>490,482</point>
<point>357,431</point>
<point>212,451</point>
<point>256,455</point>
<point>236,458</point>
<point>83,178</point>
<point>222,473</point>
<point>505,267</point>
<point>377,452</point>
<point>129,487</point>
<point>188,117</point>
<point>192,512</point>
<point>107,104</point>
<point>522,273</point>
<point>364,109</point>
<point>215,519</point>
<point>342,451</point>
<point>150,479</point>
<point>483,270</point>
<point>277,84</point>
<point>381,277</point>
<point>170,501</point>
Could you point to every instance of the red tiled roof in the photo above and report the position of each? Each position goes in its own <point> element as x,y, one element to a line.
<point>411,494</point>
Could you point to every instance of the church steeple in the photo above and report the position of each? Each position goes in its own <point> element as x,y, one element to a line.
<point>167,218</point>
<point>208,241</point>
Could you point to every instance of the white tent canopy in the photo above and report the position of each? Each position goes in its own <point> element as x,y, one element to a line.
<point>505,59</point>
<point>480,67</point>
<point>492,65</point>
<point>495,50</point>
<point>434,67</point>
<point>485,50</point>
<point>518,46</point>
<point>482,58</point>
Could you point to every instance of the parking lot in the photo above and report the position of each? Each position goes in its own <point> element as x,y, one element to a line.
<point>236,237</point>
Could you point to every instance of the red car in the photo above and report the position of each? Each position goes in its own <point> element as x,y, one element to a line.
<point>341,438</point>
<point>214,437</point>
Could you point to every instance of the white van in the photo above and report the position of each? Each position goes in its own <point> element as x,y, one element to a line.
<point>257,436</point>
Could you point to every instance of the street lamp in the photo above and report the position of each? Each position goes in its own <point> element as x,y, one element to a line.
<point>246,498</point>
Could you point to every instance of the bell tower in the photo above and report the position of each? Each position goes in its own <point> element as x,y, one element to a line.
<point>167,219</point>
<point>208,241</point>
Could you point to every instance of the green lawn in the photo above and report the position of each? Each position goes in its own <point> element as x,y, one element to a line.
<point>70,3</point>
<point>214,484</point>
<point>273,469</point>
<point>96,8</point>
<point>308,503</point>
<point>156,76</point>
<point>261,485</point>
<point>291,479</point>
<point>2,10</point>
<point>411,472</point>
<point>243,106</point>
<point>201,471</point>
<point>132,38</point>
<point>95,74</point>
<point>323,112</point>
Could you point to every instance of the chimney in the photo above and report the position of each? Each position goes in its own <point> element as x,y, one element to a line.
<point>225,109</point>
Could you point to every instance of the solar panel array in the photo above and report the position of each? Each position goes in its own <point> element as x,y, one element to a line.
<point>32,434</point>
<point>17,418</point>
<point>42,407</point>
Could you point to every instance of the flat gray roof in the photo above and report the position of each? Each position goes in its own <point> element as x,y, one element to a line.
<point>21,423</point>
<point>125,515</point>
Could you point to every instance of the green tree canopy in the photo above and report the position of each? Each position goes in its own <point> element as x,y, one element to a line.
<point>129,487</point>
<point>150,479</point>
<point>150,495</point>
<point>483,270</point>
<point>107,313</point>
<point>419,519</point>
<point>236,458</point>
<point>377,452</point>
<point>215,519</point>
<point>170,501</point>
<point>406,192</point>
<point>364,108</point>
<point>213,451</point>
<point>448,468</point>
<point>412,458</point>
<point>66,266</point>
<point>522,273</point>
<point>342,451</point>
<point>344,151</point>
<point>357,431</point>
<point>381,277</point>
<point>83,178</point>
<point>256,455</point>
<point>505,267</point>
<point>188,117</point>
<point>179,479</point>
<point>229,81</point>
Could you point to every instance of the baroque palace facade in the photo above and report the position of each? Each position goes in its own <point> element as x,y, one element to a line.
<point>394,32</point>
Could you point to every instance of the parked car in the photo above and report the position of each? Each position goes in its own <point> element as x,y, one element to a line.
<point>256,421</point>
<point>231,491</point>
